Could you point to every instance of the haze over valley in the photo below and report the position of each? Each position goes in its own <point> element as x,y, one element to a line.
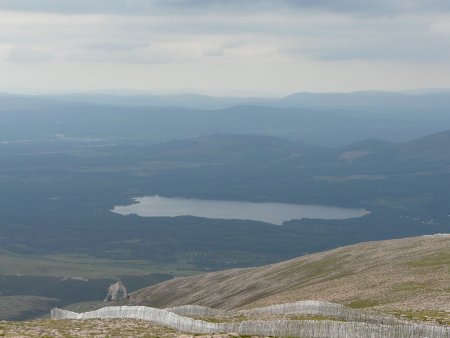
<point>67,164</point>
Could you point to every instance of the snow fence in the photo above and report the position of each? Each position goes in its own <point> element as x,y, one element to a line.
<point>279,328</point>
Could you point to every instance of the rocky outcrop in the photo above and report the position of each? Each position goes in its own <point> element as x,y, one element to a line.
<point>116,292</point>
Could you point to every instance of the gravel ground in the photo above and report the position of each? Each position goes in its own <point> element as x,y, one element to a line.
<point>93,328</point>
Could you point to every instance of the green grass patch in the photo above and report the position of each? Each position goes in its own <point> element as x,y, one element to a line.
<point>434,316</point>
<point>409,287</point>
<point>441,259</point>
<point>365,303</point>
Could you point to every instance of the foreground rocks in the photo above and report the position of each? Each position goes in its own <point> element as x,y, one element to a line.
<point>93,328</point>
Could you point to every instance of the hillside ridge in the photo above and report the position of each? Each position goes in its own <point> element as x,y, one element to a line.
<point>402,274</point>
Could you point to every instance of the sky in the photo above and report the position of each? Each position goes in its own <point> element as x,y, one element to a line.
<point>224,47</point>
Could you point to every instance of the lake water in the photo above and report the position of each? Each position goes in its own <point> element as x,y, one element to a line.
<point>275,213</point>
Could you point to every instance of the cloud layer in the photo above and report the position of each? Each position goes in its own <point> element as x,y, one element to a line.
<point>175,39</point>
<point>149,7</point>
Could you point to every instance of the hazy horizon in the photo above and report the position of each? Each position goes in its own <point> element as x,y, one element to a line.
<point>237,94</point>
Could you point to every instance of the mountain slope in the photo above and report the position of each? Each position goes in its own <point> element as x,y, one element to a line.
<point>405,274</point>
<point>430,148</point>
<point>430,154</point>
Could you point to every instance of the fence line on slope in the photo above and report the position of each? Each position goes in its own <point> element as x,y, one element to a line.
<point>291,328</point>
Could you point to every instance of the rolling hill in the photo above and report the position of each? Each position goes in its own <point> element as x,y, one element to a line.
<point>401,275</point>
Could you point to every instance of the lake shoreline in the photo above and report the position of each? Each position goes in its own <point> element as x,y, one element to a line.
<point>269,212</point>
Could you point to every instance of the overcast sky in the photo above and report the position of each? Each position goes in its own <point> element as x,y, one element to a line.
<point>224,47</point>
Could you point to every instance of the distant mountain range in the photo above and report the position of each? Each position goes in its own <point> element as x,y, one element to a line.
<point>364,99</point>
<point>323,119</point>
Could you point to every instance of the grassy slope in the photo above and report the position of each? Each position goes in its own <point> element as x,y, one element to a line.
<point>397,275</point>
<point>18,307</point>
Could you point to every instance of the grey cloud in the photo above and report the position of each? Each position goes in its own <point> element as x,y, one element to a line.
<point>151,7</point>
<point>115,46</point>
<point>79,6</point>
<point>383,47</point>
<point>213,52</point>
<point>148,40</point>
<point>129,58</point>
<point>150,55</point>
<point>349,6</point>
<point>27,54</point>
